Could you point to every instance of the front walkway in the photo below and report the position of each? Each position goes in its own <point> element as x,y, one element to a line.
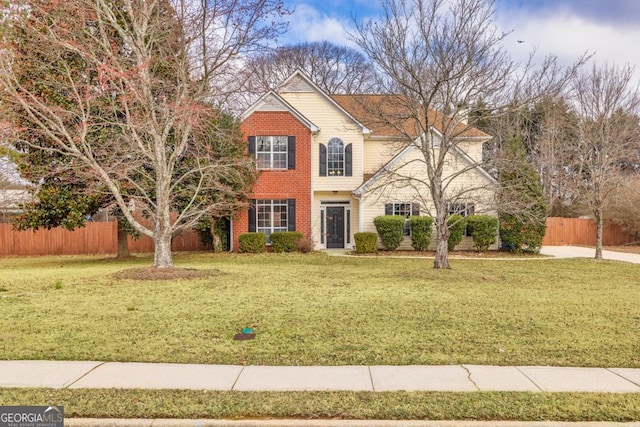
<point>469,378</point>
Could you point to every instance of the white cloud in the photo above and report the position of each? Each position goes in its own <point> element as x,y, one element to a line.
<point>307,24</point>
<point>568,35</point>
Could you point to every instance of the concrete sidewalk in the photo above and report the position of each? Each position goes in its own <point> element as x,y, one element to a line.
<point>75,375</point>
<point>582,252</point>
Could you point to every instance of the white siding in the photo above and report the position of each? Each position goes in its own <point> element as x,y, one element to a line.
<point>333,123</point>
<point>373,203</point>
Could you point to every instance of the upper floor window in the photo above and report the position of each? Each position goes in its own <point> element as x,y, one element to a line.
<point>335,158</point>
<point>273,152</point>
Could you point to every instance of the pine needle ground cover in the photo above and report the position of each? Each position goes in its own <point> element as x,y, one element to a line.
<point>316,309</point>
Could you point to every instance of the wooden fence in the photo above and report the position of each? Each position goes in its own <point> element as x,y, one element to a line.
<point>94,238</point>
<point>580,231</point>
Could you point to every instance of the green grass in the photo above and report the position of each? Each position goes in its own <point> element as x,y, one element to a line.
<point>345,405</point>
<point>315,309</point>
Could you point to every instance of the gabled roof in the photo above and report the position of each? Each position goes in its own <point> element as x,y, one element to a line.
<point>274,102</point>
<point>414,146</point>
<point>300,74</point>
<point>398,121</point>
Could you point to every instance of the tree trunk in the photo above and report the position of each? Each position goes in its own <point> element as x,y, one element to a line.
<point>162,257</point>
<point>215,239</point>
<point>123,242</point>
<point>442,249</point>
<point>598,214</point>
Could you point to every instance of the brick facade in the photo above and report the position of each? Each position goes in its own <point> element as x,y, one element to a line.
<point>281,184</point>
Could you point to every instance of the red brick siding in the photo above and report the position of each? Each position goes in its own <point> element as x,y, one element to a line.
<point>281,184</point>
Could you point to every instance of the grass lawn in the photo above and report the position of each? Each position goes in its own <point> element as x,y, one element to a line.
<point>315,309</point>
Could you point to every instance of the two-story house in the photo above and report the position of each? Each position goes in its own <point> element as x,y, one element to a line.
<point>318,162</point>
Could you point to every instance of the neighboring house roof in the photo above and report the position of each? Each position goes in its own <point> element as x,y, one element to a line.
<point>308,81</point>
<point>388,115</point>
<point>271,101</point>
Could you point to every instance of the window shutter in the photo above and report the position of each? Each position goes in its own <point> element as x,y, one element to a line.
<point>323,160</point>
<point>347,160</point>
<point>388,209</point>
<point>252,146</point>
<point>415,209</point>
<point>291,214</point>
<point>252,216</point>
<point>291,152</point>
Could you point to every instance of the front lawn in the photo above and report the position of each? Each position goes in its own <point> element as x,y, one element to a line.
<point>315,309</point>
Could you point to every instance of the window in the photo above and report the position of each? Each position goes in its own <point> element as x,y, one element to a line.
<point>404,209</point>
<point>464,209</point>
<point>271,152</point>
<point>335,157</point>
<point>271,216</point>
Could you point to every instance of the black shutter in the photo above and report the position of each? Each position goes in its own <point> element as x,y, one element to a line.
<point>415,209</point>
<point>252,216</point>
<point>323,160</point>
<point>291,152</point>
<point>388,209</point>
<point>347,160</point>
<point>291,214</point>
<point>252,146</point>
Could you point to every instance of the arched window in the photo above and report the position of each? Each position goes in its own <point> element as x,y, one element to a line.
<point>335,157</point>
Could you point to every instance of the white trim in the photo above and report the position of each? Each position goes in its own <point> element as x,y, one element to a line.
<point>254,107</point>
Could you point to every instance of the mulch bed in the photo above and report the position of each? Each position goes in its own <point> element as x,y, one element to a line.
<point>454,254</point>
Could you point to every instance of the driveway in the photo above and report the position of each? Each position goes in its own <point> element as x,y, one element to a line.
<point>581,252</point>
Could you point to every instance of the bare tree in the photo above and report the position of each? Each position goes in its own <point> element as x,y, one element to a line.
<point>335,69</point>
<point>221,35</point>
<point>440,57</point>
<point>606,102</point>
<point>112,87</point>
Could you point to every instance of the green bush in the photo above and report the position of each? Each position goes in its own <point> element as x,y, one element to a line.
<point>253,243</point>
<point>457,226</point>
<point>484,231</point>
<point>366,243</point>
<point>285,241</point>
<point>391,230</point>
<point>522,205</point>
<point>421,231</point>
<point>519,235</point>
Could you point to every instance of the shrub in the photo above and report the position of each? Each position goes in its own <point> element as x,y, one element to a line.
<point>519,235</point>
<point>484,231</point>
<point>391,230</point>
<point>253,243</point>
<point>366,243</point>
<point>421,231</point>
<point>285,241</point>
<point>523,206</point>
<point>457,226</point>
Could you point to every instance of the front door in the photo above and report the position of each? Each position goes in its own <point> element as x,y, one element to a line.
<point>335,227</point>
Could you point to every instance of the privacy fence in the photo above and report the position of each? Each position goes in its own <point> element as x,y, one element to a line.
<point>581,231</point>
<point>94,238</point>
<point>101,238</point>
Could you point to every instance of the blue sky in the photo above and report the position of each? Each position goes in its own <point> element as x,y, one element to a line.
<point>565,28</point>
